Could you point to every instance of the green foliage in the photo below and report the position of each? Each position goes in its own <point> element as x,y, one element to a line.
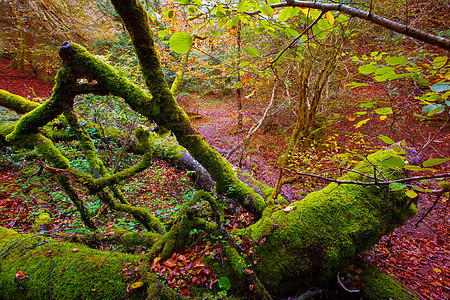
<point>180,42</point>
<point>434,76</point>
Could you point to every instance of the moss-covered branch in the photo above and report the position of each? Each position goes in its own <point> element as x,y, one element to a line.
<point>172,116</point>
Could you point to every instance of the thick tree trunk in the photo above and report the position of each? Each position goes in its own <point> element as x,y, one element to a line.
<point>306,243</point>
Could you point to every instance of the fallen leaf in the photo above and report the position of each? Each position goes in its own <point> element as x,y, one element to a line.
<point>289,208</point>
<point>137,284</point>
<point>20,275</point>
<point>75,250</point>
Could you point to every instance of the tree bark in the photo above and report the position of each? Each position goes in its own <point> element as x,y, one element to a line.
<point>170,114</point>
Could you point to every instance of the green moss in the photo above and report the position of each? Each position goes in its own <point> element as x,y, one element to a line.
<point>42,222</point>
<point>57,271</point>
<point>378,286</point>
<point>14,102</point>
<point>313,238</point>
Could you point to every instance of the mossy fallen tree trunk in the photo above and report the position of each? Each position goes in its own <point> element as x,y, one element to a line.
<point>306,243</point>
<point>37,267</point>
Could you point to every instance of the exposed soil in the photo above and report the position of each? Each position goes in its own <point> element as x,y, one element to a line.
<point>419,256</point>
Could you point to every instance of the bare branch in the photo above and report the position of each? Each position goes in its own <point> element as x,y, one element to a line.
<point>378,182</point>
<point>415,33</point>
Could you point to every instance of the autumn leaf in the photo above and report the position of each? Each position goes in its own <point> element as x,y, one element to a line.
<point>246,78</point>
<point>136,285</point>
<point>20,275</point>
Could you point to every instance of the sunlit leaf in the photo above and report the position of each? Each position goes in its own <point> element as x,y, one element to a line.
<point>323,24</point>
<point>285,14</point>
<point>368,104</point>
<point>435,161</point>
<point>361,123</point>
<point>411,194</point>
<point>367,69</point>
<point>395,60</point>
<point>433,109</point>
<point>440,61</point>
<point>393,162</point>
<point>252,51</point>
<point>356,84</point>
<point>180,42</point>
<point>162,33</point>
<point>330,18</point>
<point>386,139</point>
<point>384,111</point>
<point>266,9</point>
<point>294,12</point>
<point>383,117</point>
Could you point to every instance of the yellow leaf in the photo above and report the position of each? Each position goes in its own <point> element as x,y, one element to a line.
<point>137,285</point>
<point>156,259</point>
<point>351,119</point>
<point>304,10</point>
<point>383,118</point>
<point>437,270</point>
<point>330,18</point>
<point>233,31</point>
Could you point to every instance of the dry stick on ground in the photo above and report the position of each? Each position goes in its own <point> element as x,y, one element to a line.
<point>254,128</point>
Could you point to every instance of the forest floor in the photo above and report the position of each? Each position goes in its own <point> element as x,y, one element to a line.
<point>417,255</point>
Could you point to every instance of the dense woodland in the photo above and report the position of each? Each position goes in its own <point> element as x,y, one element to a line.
<point>224,150</point>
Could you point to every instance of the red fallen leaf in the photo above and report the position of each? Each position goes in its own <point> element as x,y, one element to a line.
<point>358,271</point>
<point>136,268</point>
<point>49,252</point>
<point>185,291</point>
<point>20,275</point>
<point>170,263</point>
<point>436,283</point>
<point>195,280</point>
<point>75,250</point>
<point>248,271</point>
<point>180,264</point>
<point>63,269</point>
<point>206,270</point>
<point>251,287</point>
<point>127,264</point>
<point>109,233</point>
<point>203,279</point>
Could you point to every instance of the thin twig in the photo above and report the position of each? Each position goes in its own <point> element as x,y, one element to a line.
<point>403,180</point>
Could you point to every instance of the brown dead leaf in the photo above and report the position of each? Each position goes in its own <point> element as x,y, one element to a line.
<point>20,275</point>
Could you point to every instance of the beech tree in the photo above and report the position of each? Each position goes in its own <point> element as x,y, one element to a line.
<point>292,249</point>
